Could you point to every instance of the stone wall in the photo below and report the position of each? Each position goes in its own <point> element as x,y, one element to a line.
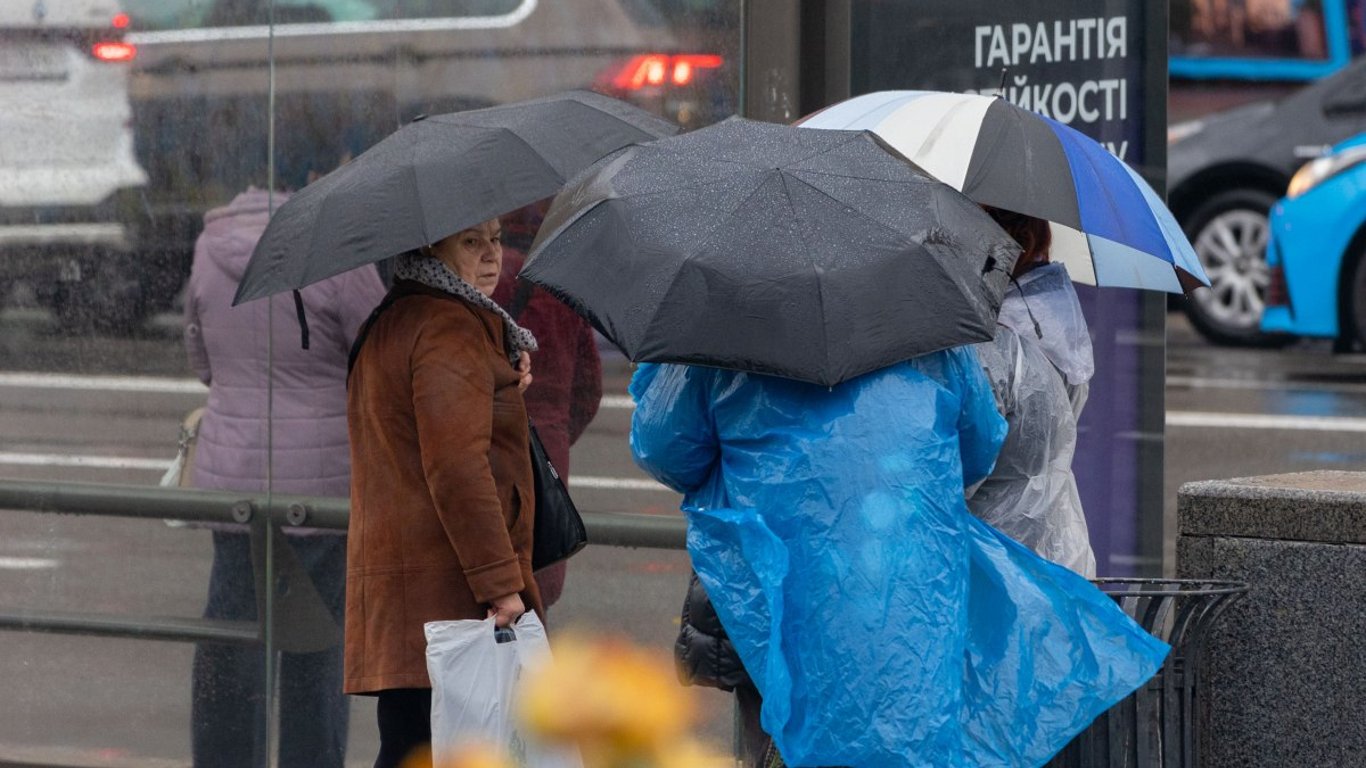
<point>1286,683</point>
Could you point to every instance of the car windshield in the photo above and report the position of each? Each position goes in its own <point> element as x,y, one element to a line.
<point>190,14</point>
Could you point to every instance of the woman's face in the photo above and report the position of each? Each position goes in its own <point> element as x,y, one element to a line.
<point>475,254</point>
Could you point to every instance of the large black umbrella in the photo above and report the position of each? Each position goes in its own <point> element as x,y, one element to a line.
<point>814,255</point>
<point>435,177</point>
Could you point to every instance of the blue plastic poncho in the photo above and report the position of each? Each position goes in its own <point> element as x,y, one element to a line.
<point>881,622</point>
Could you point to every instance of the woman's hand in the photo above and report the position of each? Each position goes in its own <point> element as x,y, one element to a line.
<point>524,368</point>
<point>506,609</point>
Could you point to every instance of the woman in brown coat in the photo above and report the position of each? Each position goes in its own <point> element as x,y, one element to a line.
<point>441,491</point>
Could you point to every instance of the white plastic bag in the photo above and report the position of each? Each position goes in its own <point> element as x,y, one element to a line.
<point>475,671</point>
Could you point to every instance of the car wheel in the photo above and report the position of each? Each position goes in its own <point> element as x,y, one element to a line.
<point>1230,233</point>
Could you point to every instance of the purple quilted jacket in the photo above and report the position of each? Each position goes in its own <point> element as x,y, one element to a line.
<point>227,349</point>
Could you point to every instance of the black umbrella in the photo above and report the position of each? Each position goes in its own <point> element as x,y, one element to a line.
<point>435,177</point>
<point>814,255</point>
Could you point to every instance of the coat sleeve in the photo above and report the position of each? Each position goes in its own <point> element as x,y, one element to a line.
<point>453,388</point>
<point>981,430</point>
<point>585,395</point>
<point>673,433</point>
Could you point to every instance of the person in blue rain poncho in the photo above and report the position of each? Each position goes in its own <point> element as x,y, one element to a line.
<point>882,624</point>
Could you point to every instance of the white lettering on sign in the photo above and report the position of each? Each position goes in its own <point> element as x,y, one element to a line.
<point>1002,46</point>
<point>999,45</point>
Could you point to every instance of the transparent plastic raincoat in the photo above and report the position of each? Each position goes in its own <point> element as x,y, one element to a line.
<point>1040,379</point>
<point>883,624</point>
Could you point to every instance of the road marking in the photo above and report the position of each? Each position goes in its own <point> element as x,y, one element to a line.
<point>617,484</point>
<point>161,465</point>
<point>1265,421</point>
<point>27,563</point>
<point>154,384</point>
<point>167,385</point>
<point>1197,382</point>
<point>87,462</point>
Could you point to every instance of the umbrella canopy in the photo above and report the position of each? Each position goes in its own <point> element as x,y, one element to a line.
<point>814,255</point>
<point>1109,227</point>
<point>435,177</point>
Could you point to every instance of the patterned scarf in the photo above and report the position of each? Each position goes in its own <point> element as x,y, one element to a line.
<point>433,273</point>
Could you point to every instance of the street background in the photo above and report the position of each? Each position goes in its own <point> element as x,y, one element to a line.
<point>92,409</point>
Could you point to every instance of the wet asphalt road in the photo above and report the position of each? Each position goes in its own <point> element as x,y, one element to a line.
<point>106,410</point>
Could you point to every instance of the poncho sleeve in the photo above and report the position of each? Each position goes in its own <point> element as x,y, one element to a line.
<point>981,430</point>
<point>673,434</point>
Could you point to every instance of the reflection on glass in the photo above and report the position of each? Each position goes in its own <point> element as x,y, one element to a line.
<point>1266,29</point>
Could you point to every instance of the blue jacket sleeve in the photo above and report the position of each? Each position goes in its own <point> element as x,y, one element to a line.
<point>981,429</point>
<point>673,435</point>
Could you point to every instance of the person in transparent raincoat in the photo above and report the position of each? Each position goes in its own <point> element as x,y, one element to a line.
<point>1039,366</point>
<point>881,623</point>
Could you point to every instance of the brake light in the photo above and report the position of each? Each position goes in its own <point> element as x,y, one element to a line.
<point>656,69</point>
<point>114,52</point>
<point>120,21</point>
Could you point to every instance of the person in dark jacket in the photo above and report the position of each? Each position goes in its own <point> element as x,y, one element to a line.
<point>567,389</point>
<point>705,656</point>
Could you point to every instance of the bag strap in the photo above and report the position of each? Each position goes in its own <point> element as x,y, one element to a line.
<point>394,294</point>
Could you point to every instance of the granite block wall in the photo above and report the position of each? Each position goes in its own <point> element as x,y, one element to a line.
<point>1286,682</point>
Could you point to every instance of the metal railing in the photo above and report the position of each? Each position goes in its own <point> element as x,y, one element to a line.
<point>255,509</point>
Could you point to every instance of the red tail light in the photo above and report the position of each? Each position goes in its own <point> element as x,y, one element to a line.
<point>114,52</point>
<point>656,69</point>
<point>121,21</point>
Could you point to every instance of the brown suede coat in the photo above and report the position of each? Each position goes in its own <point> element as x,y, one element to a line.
<point>441,485</point>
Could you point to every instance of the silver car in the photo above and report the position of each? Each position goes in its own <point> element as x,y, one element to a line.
<point>67,163</point>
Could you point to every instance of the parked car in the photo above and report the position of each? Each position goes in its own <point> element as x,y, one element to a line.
<point>1317,253</point>
<point>348,72</point>
<point>1224,172</point>
<point>68,176</point>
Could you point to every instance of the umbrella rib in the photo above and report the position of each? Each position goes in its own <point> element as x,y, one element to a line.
<point>856,211</point>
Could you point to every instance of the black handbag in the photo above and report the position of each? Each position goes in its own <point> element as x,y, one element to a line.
<point>558,530</point>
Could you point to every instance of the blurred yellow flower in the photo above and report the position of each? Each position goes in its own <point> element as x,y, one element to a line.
<point>472,755</point>
<point>616,701</point>
<point>691,754</point>
<point>620,705</point>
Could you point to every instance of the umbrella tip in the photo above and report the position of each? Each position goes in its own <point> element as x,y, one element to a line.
<point>423,116</point>
<point>1001,91</point>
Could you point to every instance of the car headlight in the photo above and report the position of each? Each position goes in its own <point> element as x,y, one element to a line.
<point>1183,131</point>
<point>1320,169</point>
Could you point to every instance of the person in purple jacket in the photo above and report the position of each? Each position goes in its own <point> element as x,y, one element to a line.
<point>310,455</point>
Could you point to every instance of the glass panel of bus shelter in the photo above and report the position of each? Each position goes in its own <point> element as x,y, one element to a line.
<point>126,123</point>
<point>349,72</point>
<point>122,123</point>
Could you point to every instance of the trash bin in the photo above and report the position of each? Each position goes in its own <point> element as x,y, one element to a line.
<point>1157,726</point>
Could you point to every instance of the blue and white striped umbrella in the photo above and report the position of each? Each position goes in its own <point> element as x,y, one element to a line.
<point>1109,227</point>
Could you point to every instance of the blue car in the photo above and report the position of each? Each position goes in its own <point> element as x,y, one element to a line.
<point>1317,252</point>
